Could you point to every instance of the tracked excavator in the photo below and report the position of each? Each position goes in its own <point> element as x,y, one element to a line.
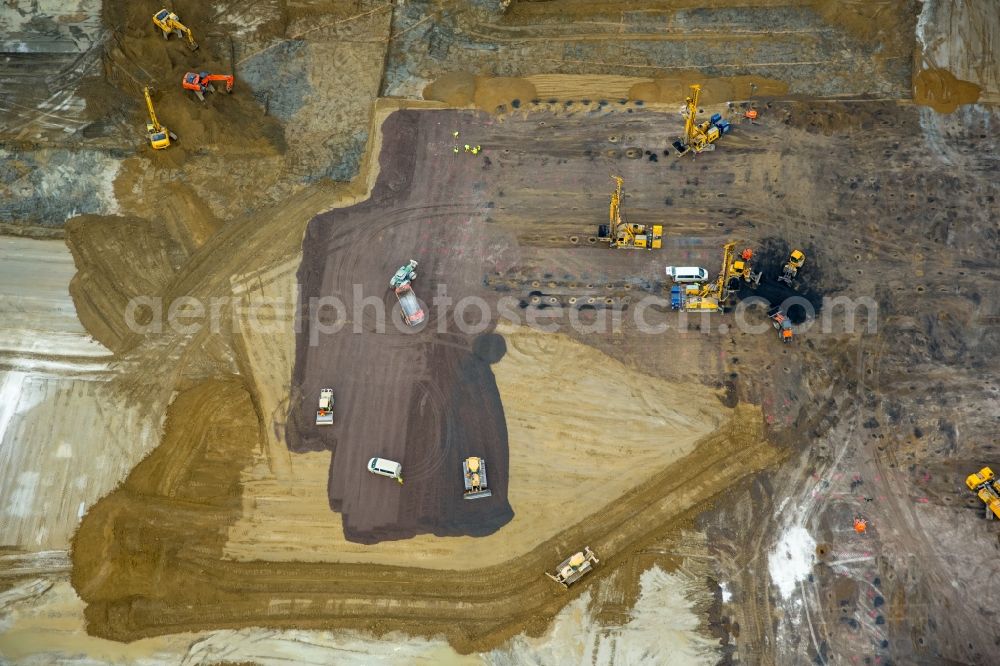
<point>619,233</point>
<point>202,82</point>
<point>791,268</point>
<point>159,136</point>
<point>984,483</point>
<point>699,137</point>
<point>169,24</point>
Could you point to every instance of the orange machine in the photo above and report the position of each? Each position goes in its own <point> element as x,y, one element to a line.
<point>860,524</point>
<point>783,324</point>
<point>200,83</point>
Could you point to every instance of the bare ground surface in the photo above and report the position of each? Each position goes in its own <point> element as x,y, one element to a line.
<point>224,526</point>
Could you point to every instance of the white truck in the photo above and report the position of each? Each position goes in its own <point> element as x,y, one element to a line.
<point>324,415</point>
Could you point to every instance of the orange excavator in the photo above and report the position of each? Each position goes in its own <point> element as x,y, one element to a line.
<point>202,82</point>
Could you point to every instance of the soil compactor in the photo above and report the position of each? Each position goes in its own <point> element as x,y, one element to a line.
<point>474,477</point>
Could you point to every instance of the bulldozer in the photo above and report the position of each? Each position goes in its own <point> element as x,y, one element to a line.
<point>170,24</point>
<point>791,268</point>
<point>574,567</point>
<point>474,477</point>
<point>699,137</point>
<point>202,82</point>
<point>986,486</point>
<point>159,136</point>
<point>619,233</point>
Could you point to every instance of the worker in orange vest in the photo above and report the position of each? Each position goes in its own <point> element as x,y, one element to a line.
<point>860,524</point>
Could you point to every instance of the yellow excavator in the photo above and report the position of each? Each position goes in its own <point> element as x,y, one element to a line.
<point>621,234</point>
<point>699,137</point>
<point>169,23</point>
<point>159,136</point>
<point>986,486</point>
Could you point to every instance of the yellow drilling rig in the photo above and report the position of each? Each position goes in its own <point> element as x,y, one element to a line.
<point>712,296</point>
<point>699,137</point>
<point>620,233</point>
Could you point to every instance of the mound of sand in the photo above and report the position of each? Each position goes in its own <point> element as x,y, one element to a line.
<point>117,259</point>
<point>489,93</point>
<point>942,91</point>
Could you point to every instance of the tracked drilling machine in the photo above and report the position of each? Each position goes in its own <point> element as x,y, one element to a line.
<point>621,234</point>
<point>699,137</point>
<point>711,296</point>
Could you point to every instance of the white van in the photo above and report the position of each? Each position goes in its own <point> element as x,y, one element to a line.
<point>388,468</point>
<point>687,274</point>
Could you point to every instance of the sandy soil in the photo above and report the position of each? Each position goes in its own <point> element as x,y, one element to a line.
<point>286,519</point>
<point>786,404</point>
<point>43,623</point>
<point>57,412</point>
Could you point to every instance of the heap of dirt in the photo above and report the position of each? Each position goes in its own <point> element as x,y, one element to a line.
<point>455,89</point>
<point>886,22</point>
<point>489,93</point>
<point>118,259</point>
<point>942,91</point>
<point>714,90</point>
<point>136,547</point>
<point>147,558</point>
